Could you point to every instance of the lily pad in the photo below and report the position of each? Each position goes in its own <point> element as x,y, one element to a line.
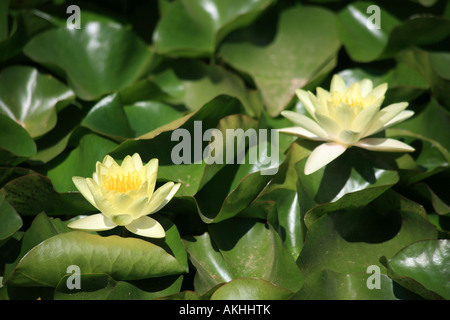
<point>16,144</point>
<point>9,219</point>
<point>351,181</point>
<point>104,287</point>
<point>304,46</point>
<point>250,289</point>
<point>110,116</point>
<point>423,267</point>
<point>366,41</point>
<point>32,99</point>
<point>91,148</point>
<point>194,28</point>
<point>330,285</point>
<point>238,248</point>
<point>33,193</point>
<point>123,56</point>
<point>349,241</point>
<point>122,258</point>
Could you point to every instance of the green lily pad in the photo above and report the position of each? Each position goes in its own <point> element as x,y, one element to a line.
<point>353,180</point>
<point>423,267</point>
<point>194,28</point>
<point>9,219</point>
<point>32,99</point>
<point>23,26</point>
<point>80,162</point>
<point>440,62</point>
<point>330,285</point>
<point>250,289</point>
<point>110,116</point>
<point>303,47</point>
<point>366,42</point>
<point>420,124</point>
<point>34,193</point>
<point>78,52</point>
<point>238,248</point>
<point>349,241</point>
<point>193,83</point>
<point>16,144</point>
<point>41,228</point>
<point>122,258</point>
<point>104,287</point>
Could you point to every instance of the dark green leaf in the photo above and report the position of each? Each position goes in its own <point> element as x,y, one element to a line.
<point>423,267</point>
<point>9,219</point>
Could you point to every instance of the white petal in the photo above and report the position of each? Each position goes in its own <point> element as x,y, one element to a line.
<point>108,161</point>
<point>154,202</point>
<point>304,98</point>
<point>137,161</point>
<point>82,186</point>
<point>318,106</point>
<point>95,222</point>
<point>379,91</point>
<point>128,165</point>
<point>323,155</point>
<point>102,203</point>
<point>402,116</point>
<point>168,197</point>
<point>328,125</point>
<point>344,115</point>
<point>338,84</point>
<point>323,95</point>
<point>146,227</point>
<point>300,132</point>
<point>121,201</point>
<point>384,144</point>
<point>384,116</point>
<point>139,208</point>
<point>363,120</point>
<point>366,86</point>
<point>305,122</point>
<point>152,173</point>
<point>349,137</point>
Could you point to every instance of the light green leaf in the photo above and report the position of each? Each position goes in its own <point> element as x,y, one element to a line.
<point>303,47</point>
<point>32,99</point>
<point>97,59</point>
<point>423,267</point>
<point>121,258</point>
<point>194,28</point>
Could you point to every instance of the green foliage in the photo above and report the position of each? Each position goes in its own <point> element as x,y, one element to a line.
<point>136,71</point>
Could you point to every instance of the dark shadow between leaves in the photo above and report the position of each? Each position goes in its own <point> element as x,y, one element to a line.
<point>227,234</point>
<point>368,224</point>
<point>210,198</point>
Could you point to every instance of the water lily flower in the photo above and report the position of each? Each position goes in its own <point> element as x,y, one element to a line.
<point>125,195</point>
<point>346,117</point>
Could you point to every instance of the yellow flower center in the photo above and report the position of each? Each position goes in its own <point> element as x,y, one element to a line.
<point>351,99</point>
<point>122,183</point>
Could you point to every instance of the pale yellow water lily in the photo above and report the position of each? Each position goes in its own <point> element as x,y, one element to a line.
<point>346,117</point>
<point>125,195</point>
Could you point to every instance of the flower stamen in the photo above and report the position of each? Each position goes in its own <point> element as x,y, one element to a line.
<point>122,183</point>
